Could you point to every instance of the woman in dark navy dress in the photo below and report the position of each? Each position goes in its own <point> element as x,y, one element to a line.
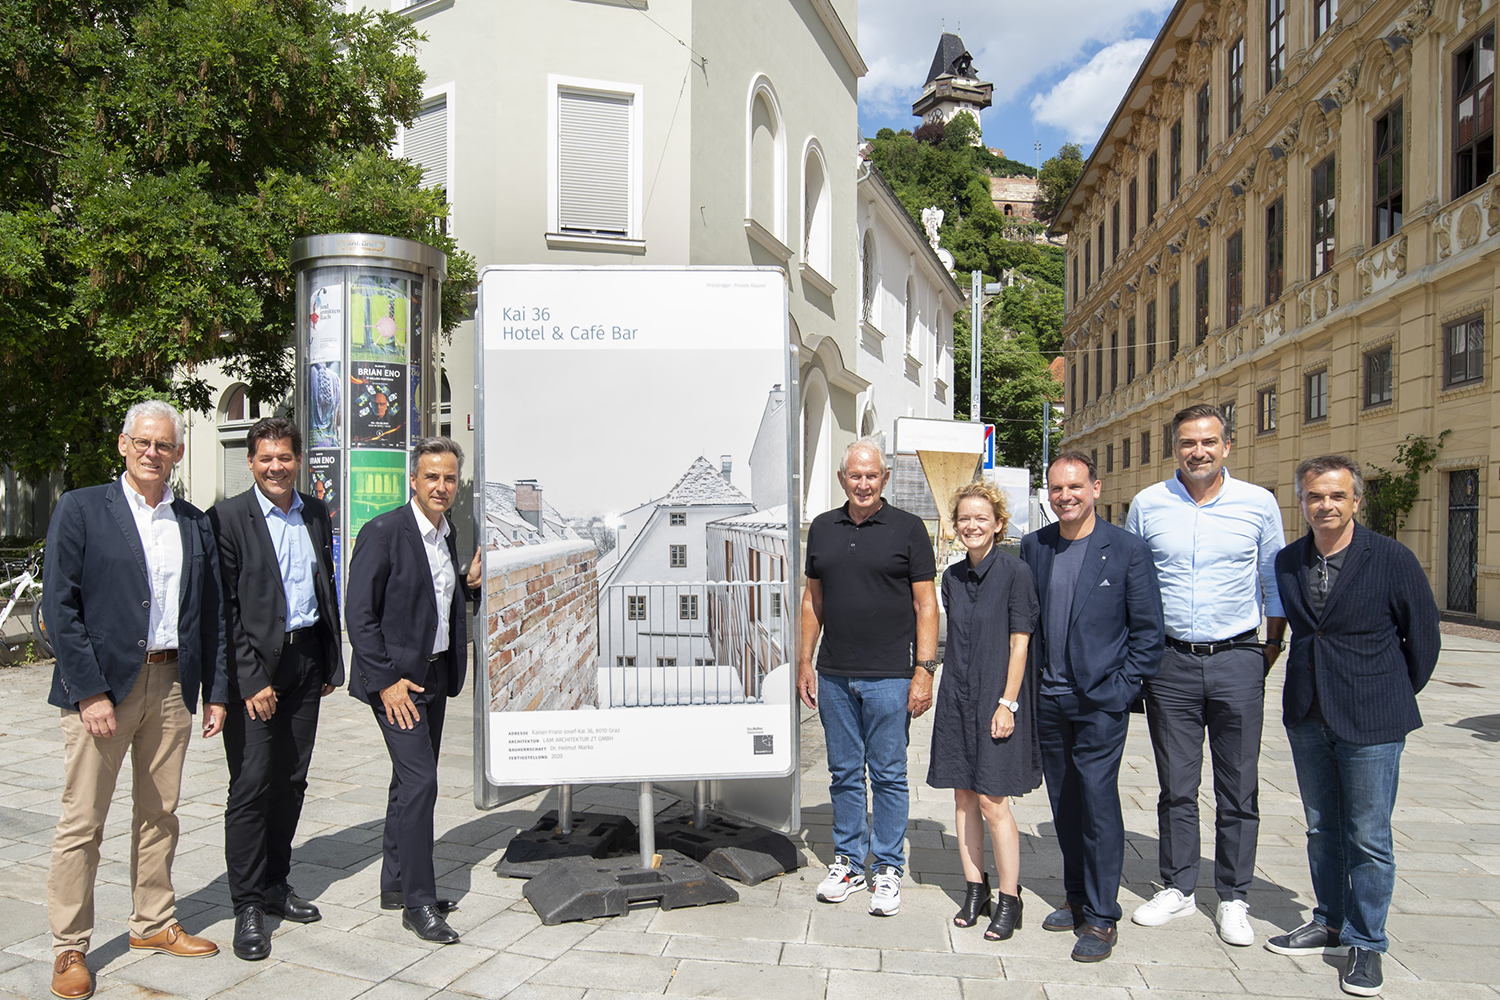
<point>984,739</point>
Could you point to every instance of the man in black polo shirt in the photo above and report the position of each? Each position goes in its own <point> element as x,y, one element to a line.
<point>870,591</point>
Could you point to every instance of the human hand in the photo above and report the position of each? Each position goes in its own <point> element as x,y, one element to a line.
<point>476,570</point>
<point>98,714</point>
<point>919,695</point>
<point>328,689</point>
<point>214,715</point>
<point>262,705</point>
<point>1002,724</point>
<point>807,684</point>
<point>399,708</point>
<point>1272,653</point>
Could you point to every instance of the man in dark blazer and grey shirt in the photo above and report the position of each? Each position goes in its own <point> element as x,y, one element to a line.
<point>281,615</point>
<point>405,610</point>
<point>1364,643</point>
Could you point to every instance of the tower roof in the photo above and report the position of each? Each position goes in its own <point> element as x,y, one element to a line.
<point>951,59</point>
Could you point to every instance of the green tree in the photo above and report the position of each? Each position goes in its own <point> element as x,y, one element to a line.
<point>1058,176</point>
<point>1014,383</point>
<point>157,159</point>
<point>1391,495</point>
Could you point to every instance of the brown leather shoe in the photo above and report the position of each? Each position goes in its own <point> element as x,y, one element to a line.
<point>71,978</point>
<point>175,941</point>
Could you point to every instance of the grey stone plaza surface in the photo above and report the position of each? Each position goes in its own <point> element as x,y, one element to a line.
<point>777,941</point>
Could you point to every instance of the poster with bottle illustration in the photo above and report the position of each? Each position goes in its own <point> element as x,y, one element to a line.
<point>379,318</point>
<point>325,404</point>
<point>325,315</point>
<point>377,404</point>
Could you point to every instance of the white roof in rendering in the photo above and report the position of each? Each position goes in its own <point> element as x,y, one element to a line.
<point>702,485</point>
<point>756,520</point>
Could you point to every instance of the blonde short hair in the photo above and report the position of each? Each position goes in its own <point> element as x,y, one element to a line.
<point>984,491</point>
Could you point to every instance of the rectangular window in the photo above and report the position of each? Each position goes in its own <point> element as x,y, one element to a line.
<point>666,661</point>
<point>700,661</point>
<point>1073,388</point>
<point>1132,213</point>
<point>1114,361</point>
<point>1088,263</point>
<point>1101,248</point>
<point>1234,107</point>
<point>1387,194</point>
<point>1275,249</point>
<point>1378,377</point>
<point>1174,320</point>
<point>1324,241</point>
<point>1130,350</point>
<point>624,661</point>
<point>775,604</point>
<point>1145,447</point>
<point>1099,369</point>
<point>1125,453</point>
<point>1464,342</point>
<point>1075,279</point>
<point>1085,367</point>
<point>426,145</point>
<point>1265,411</point>
<point>1200,302</point>
<point>1166,440</point>
<point>679,556</point>
<point>687,607</point>
<point>1151,192</point>
<point>595,181</point>
<point>1315,389</point>
<point>1275,42</point>
<point>1150,335</point>
<point>1324,11</point>
<point>1174,160</point>
<point>677,520</point>
<point>1228,409</point>
<point>1109,457</point>
<point>1234,278</point>
<point>1114,232</point>
<point>1200,126</point>
<point>1474,112</point>
<point>1094,456</point>
<point>635,608</point>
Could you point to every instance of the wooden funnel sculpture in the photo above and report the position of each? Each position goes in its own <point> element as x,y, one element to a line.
<point>946,471</point>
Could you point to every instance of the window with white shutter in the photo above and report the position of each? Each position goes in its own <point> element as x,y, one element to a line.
<point>426,142</point>
<point>593,163</point>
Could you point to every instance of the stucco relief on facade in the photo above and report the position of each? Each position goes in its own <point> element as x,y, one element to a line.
<point>1385,266</point>
<point>1270,324</point>
<point>1319,298</point>
<point>1462,226</point>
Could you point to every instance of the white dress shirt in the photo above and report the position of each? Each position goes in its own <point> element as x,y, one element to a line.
<point>294,557</point>
<point>161,541</point>
<point>444,577</point>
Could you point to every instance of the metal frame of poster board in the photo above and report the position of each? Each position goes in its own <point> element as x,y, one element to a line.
<point>641,728</point>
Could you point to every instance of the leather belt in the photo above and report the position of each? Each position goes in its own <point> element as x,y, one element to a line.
<point>299,634</point>
<point>161,656</point>
<point>1245,640</point>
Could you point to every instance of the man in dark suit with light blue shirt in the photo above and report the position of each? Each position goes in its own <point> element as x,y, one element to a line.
<point>1365,641</point>
<point>1100,638</point>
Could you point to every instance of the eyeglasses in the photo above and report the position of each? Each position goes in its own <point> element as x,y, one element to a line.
<point>143,446</point>
<point>1321,583</point>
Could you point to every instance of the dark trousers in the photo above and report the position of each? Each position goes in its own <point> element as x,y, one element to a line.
<point>1224,694</point>
<point>414,787</point>
<point>268,762</point>
<point>1081,751</point>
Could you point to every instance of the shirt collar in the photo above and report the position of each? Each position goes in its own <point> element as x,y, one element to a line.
<point>878,516</point>
<point>1177,489</point>
<point>266,506</point>
<point>428,530</point>
<point>983,569</point>
<point>135,498</point>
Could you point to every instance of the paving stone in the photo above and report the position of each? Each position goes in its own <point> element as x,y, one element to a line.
<point>831,957</point>
<point>736,981</point>
<point>763,923</point>
<point>195,979</point>
<point>625,942</point>
<point>848,984</point>
<point>1110,973</point>
<point>497,976</point>
<point>999,989</point>
<point>925,964</point>
<point>395,989</point>
<point>1173,977</point>
<point>551,942</point>
<point>20,920</point>
<point>445,965</point>
<point>850,925</point>
<point>1067,991</point>
<point>725,950</point>
<point>350,954</point>
<point>283,980</point>
<point>536,991</point>
<point>603,970</point>
<point>1450,962</point>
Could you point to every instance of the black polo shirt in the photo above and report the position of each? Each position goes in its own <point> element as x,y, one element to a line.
<point>867,569</point>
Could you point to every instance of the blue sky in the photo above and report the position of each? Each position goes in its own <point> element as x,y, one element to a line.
<point>1059,66</point>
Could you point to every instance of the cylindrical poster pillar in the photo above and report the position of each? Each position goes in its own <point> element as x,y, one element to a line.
<point>367,370</point>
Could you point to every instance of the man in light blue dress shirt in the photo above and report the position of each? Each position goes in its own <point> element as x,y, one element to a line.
<point>1215,540</point>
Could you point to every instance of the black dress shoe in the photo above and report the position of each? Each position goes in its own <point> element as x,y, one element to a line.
<point>251,942</point>
<point>282,901</point>
<point>428,924</point>
<point>393,901</point>
<point>1312,938</point>
<point>1065,918</point>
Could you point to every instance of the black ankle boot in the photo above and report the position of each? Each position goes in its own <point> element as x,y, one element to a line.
<point>976,903</point>
<point>1007,918</point>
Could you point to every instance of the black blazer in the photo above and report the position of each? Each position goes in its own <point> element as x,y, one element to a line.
<point>97,600</point>
<point>390,610</point>
<point>1115,630</point>
<point>1374,647</point>
<point>255,598</point>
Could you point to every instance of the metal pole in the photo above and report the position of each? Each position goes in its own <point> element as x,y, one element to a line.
<point>1046,437</point>
<point>700,805</point>
<point>645,822</point>
<point>975,296</point>
<point>564,809</point>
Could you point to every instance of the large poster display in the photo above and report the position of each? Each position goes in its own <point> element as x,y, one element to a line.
<point>640,622</point>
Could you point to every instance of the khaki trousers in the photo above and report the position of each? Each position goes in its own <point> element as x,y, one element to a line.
<point>154,725</point>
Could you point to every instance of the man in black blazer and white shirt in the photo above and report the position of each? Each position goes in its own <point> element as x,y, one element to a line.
<point>405,612</point>
<point>1364,642</point>
<point>281,615</point>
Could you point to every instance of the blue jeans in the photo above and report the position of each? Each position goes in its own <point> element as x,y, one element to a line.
<point>1348,792</point>
<point>865,726</point>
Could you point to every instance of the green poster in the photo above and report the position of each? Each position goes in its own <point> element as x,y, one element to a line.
<point>377,483</point>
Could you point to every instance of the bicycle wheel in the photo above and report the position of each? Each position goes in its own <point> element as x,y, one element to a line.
<point>39,631</point>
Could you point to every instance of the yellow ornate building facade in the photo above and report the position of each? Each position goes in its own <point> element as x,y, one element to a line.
<point>1292,214</point>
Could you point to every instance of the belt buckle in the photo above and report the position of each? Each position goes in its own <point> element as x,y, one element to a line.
<point>1203,649</point>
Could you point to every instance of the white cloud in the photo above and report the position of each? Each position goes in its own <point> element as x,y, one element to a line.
<point>1081,102</point>
<point>1013,41</point>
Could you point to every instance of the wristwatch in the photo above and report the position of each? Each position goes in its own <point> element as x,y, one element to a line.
<point>928,665</point>
<point>1014,706</point>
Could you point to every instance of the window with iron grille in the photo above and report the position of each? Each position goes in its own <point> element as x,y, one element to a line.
<point>1229,409</point>
<point>1378,377</point>
<point>687,607</point>
<point>677,520</point>
<point>1130,350</point>
<point>1099,368</point>
<point>1174,319</point>
<point>1145,447</point>
<point>1088,263</point>
<point>1275,42</point>
<point>1265,411</point>
<point>1389,133</point>
<point>1464,350</point>
<point>1174,160</point>
<point>1101,250</point>
<point>1474,112</point>
<point>1324,11</point>
<point>1315,389</point>
<point>1235,105</point>
<point>1073,388</point>
<point>1132,212</point>
<point>1166,440</point>
<point>1234,278</point>
<point>1200,303</point>
<point>1200,127</point>
<point>635,608</point>
<point>1151,192</point>
<point>678,556</point>
<point>1150,335</point>
<point>1323,204</point>
<point>1275,248</point>
<point>1114,361</point>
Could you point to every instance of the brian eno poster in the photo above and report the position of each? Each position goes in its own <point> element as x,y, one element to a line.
<point>633,453</point>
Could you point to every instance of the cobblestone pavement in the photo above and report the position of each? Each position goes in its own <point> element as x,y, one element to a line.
<point>776,942</point>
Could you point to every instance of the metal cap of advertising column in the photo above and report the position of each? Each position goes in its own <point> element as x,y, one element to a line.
<point>368,315</point>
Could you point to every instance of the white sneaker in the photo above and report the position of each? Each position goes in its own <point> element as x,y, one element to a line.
<point>1233,921</point>
<point>1165,906</point>
<point>842,880</point>
<point>886,900</point>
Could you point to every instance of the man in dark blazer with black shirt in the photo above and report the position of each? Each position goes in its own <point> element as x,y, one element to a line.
<point>405,610</point>
<point>1365,641</point>
<point>281,615</point>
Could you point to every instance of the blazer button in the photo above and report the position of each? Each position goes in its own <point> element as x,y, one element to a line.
<point>142,643</point>
<point>1320,633</point>
<point>145,604</point>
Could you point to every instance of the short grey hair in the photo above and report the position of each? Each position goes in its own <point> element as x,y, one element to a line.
<point>436,446</point>
<point>1330,463</point>
<point>864,444</point>
<point>158,408</point>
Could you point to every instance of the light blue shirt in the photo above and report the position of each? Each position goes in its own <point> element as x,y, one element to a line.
<point>1217,562</point>
<point>294,556</point>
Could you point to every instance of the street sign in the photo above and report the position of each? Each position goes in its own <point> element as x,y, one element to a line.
<point>989,447</point>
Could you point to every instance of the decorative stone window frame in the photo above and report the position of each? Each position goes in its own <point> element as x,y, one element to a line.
<point>1474,307</point>
<point>1387,408</point>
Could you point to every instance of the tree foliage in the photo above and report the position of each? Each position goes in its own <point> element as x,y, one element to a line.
<point>1014,384</point>
<point>1391,495</point>
<point>1058,176</point>
<point>157,159</point>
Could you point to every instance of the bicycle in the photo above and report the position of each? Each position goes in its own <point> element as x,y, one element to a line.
<point>27,579</point>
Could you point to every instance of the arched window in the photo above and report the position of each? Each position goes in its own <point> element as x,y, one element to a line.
<point>817,241</point>
<point>238,411</point>
<point>911,316</point>
<point>765,177</point>
<point>1007,209</point>
<point>867,277</point>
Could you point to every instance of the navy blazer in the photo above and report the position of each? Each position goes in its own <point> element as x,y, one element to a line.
<point>97,600</point>
<point>255,597</point>
<point>391,612</point>
<point>1115,630</point>
<point>1374,647</point>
